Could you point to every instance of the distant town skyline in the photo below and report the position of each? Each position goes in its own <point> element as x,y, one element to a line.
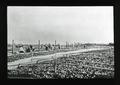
<point>84,24</point>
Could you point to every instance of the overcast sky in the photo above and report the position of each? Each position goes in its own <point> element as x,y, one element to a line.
<point>50,23</point>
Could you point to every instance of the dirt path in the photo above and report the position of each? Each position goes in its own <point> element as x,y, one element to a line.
<point>25,61</point>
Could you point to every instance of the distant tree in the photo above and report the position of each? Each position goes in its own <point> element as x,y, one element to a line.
<point>46,48</point>
<point>84,46</point>
<point>111,44</point>
<point>31,46</point>
<point>28,49</point>
<point>58,46</point>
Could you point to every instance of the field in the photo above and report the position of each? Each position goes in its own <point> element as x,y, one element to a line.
<point>27,55</point>
<point>86,65</point>
<point>13,57</point>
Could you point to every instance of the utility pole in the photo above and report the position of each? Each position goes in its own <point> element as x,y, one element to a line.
<point>39,45</point>
<point>55,44</point>
<point>54,57</point>
<point>31,49</point>
<point>12,46</point>
<point>66,44</point>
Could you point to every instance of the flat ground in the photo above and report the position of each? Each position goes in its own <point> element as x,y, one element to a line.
<point>88,64</point>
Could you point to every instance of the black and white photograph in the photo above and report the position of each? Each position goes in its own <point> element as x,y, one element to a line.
<point>60,42</point>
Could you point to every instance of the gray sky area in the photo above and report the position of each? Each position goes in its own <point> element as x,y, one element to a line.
<point>92,24</point>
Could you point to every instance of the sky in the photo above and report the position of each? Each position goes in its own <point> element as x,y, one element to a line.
<point>84,24</point>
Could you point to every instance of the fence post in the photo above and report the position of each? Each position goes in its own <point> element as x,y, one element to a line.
<point>54,65</point>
